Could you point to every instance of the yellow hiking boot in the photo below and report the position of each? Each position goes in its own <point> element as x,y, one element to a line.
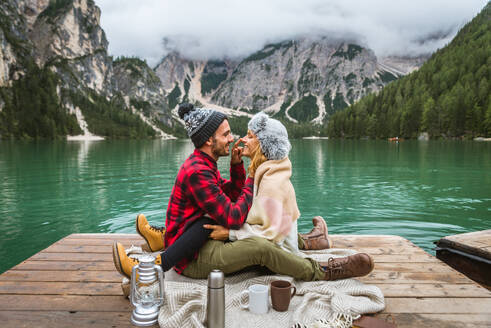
<point>123,263</point>
<point>153,236</point>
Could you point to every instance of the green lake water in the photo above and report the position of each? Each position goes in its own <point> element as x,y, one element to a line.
<point>419,190</point>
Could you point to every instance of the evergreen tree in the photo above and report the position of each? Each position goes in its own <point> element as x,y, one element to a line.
<point>447,96</point>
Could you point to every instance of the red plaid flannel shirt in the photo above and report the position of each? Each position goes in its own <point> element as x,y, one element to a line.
<point>200,190</point>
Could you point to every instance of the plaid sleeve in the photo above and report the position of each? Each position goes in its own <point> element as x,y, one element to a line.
<point>204,187</point>
<point>233,187</point>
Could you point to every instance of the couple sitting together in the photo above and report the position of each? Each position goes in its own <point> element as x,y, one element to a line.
<point>232,225</point>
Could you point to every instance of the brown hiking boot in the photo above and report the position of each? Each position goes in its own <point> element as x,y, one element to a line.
<point>317,238</point>
<point>123,263</point>
<point>357,265</point>
<point>153,236</point>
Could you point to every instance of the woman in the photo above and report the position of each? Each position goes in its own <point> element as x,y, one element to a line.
<point>274,210</point>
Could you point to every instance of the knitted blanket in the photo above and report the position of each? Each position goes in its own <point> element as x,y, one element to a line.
<point>316,304</point>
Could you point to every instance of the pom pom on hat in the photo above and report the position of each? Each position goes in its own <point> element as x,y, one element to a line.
<point>200,123</point>
<point>184,109</point>
<point>272,136</point>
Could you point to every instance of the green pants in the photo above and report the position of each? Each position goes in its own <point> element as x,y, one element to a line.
<point>235,256</point>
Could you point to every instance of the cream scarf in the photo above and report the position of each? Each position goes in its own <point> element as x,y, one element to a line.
<point>274,207</point>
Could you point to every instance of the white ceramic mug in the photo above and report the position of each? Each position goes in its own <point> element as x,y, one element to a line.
<point>258,299</point>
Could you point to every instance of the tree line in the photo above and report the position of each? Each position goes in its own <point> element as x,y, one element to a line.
<point>449,96</point>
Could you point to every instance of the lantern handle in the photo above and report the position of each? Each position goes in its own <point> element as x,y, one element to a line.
<point>160,273</point>
<point>133,285</point>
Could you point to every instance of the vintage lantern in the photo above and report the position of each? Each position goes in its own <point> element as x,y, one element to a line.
<point>147,291</point>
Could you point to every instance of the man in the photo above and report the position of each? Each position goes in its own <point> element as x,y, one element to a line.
<point>200,196</point>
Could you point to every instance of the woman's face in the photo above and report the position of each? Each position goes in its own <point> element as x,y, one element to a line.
<point>251,144</point>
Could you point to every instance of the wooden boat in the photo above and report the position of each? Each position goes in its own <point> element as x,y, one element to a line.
<point>469,253</point>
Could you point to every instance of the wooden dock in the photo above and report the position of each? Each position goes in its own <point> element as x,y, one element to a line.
<point>469,253</point>
<point>73,283</point>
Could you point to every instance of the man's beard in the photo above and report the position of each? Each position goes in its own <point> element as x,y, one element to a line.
<point>216,151</point>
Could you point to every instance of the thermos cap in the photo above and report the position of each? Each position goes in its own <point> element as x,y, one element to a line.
<point>216,279</point>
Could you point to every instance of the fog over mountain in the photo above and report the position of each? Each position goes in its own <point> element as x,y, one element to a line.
<point>216,29</point>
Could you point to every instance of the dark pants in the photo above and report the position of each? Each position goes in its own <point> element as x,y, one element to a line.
<point>188,244</point>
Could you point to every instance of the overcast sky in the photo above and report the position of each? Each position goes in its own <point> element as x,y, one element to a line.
<point>231,28</point>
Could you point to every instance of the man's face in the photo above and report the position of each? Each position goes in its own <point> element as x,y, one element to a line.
<point>221,140</point>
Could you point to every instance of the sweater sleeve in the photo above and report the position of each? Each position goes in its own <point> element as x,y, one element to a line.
<point>233,187</point>
<point>246,231</point>
<point>204,186</point>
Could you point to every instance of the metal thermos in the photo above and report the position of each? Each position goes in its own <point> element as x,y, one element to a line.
<point>215,307</point>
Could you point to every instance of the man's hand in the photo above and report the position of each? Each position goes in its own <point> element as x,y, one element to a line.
<point>236,153</point>
<point>218,232</point>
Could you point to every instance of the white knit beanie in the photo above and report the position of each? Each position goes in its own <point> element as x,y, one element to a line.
<point>272,136</point>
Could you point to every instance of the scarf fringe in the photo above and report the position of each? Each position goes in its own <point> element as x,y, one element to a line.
<point>337,320</point>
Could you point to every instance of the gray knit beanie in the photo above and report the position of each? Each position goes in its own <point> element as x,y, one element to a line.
<point>272,136</point>
<point>200,123</point>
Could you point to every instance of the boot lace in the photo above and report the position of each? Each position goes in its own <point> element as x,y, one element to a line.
<point>158,229</point>
<point>337,269</point>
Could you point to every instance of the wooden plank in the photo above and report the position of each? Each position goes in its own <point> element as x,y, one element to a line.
<point>62,248</point>
<point>383,239</point>
<point>60,276</point>
<point>341,241</point>
<point>472,243</point>
<point>60,288</point>
<point>432,320</point>
<point>474,235</point>
<point>398,258</point>
<point>353,243</point>
<point>77,257</point>
<point>119,303</point>
<point>63,319</point>
<point>41,265</point>
<point>100,242</point>
<point>415,267</point>
<point>63,265</point>
<point>386,239</point>
<point>377,277</point>
<point>59,319</point>
<point>96,257</point>
<point>438,305</point>
<point>433,290</point>
<point>112,236</point>
<point>469,253</point>
<point>99,288</point>
<point>64,303</point>
<point>78,248</point>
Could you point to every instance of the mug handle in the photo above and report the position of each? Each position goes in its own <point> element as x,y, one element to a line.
<point>294,291</point>
<point>244,306</point>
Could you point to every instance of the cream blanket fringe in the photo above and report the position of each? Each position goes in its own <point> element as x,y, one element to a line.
<point>317,304</point>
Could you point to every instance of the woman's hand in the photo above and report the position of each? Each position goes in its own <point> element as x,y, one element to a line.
<point>218,232</point>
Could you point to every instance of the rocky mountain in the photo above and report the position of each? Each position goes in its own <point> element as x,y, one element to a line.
<point>62,42</point>
<point>302,80</point>
<point>57,79</point>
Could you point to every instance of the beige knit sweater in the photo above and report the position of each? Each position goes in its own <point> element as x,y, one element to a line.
<point>274,209</point>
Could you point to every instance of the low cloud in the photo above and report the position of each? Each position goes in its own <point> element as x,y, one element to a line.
<point>216,29</point>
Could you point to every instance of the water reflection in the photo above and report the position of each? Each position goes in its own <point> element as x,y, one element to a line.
<point>419,190</point>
